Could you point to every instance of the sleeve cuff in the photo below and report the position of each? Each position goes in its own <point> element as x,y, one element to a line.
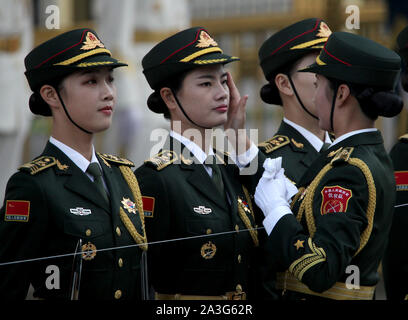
<point>272,218</point>
<point>243,159</point>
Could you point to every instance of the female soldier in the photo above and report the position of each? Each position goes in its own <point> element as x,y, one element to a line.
<point>395,263</point>
<point>334,245</point>
<point>70,193</point>
<point>299,138</point>
<point>185,194</point>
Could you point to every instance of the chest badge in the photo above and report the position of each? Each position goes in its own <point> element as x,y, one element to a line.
<point>80,211</point>
<point>129,205</point>
<point>208,250</point>
<point>202,210</point>
<point>88,251</point>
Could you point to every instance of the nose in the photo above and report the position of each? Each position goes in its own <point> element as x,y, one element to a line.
<point>108,91</point>
<point>222,91</point>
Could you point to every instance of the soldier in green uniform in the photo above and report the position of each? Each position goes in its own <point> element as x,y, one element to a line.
<point>332,244</point>
<point>299,138</point>
<point>189,199</point>
<point>395,262</point>
<point>70,192</point>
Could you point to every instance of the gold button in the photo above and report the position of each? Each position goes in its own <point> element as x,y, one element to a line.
<point>118,231</point>
<point>236,227</point>
<point>238,288</point>
<point>120,262</point>
<point>239,258</point>
<point>118,294</point>
<point>209,231</point>
<point>88,232</point>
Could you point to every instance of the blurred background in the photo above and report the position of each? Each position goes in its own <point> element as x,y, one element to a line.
<point>129,28</point>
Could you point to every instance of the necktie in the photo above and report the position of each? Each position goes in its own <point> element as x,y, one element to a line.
<point>325,146</point>
<point>216,174</point>
<point>95,171</point>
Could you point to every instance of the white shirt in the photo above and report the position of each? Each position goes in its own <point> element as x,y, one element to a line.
<point>352,133</point>
<point>80,161</point>
<point>312,138</point>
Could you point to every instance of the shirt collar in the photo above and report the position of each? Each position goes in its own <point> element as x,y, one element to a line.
<point>312,138</point>
<point>77,158</point>
<point>352,133</point>
<point>192,147</point>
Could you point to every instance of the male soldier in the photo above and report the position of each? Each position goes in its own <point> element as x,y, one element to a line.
<point>299,138</point>
<point>395,261</point>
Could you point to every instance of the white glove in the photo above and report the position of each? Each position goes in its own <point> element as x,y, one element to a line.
<point>273,193</point>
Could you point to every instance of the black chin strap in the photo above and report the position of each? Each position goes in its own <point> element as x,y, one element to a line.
<point>298,98</point>
<point>185,114</point>
<point>336,87</point>
<point>69,117</point>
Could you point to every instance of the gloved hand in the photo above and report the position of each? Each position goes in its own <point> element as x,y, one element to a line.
<point>274,190</point>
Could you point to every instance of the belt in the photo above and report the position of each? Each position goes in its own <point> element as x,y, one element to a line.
<point>238,294</point>
<point>10,44</point>
<point>339,291</point>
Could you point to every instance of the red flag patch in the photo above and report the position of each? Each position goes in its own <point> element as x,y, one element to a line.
<point>335,199</point>
<point>148,206</point>
<point>17,210</point>
<point>401,180</point>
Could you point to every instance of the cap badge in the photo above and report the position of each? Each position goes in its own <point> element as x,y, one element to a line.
<point>91,42</point>
<point>129,205</point>
<point>324,30</point>
<point>205,40</point>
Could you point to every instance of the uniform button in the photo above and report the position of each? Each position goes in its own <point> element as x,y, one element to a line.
<point>209,231</point>
<point>118,231</point>
<point>236,227</point>
<point>118,294</point>
<point>239,258</point>
<point>88,232</point>
<point>120,262</point>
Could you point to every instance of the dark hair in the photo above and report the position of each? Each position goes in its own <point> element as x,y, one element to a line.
<point>155,101</point>
<point>269,92</point>
<point>374,101</point>
<point>36,102</point>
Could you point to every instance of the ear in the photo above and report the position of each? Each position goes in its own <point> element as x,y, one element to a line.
<point>343,93</point>
<point>168,98</point>
<point>50,96</point>
<point>283,84</point>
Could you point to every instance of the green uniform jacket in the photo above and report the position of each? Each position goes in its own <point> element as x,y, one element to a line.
<point>396,258</point>
<point>296,151</point>
<point>61,205</point>
<point>187,204</point>
<point>346,216</point>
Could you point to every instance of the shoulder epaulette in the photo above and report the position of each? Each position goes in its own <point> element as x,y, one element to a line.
<point>404,137</point>
<point>38,165</point>
<point>108,158</point>
<point>342,155</point>
<point>162,159</point>
<point>274,143</point>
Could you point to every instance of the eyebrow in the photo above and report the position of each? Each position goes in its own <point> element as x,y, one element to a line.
<point>210,76</point>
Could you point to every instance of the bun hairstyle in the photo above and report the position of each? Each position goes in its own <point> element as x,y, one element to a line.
<point>155,101</point>
<point>379,103</point>
<point>374,101</point>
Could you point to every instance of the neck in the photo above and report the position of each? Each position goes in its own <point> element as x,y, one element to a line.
<point>301,118</point>
<point>75,139</point>
<point>200,136</point>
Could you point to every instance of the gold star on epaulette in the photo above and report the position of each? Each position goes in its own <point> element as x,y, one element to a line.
<point>38,165</point>
<point>108,158</point>
<point>274,143</point>
<point>163,159</point>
